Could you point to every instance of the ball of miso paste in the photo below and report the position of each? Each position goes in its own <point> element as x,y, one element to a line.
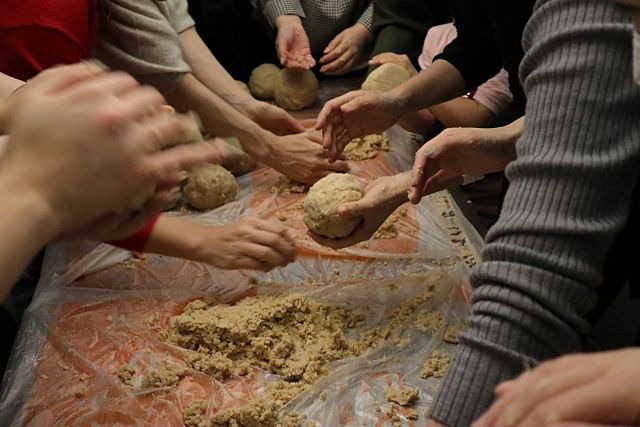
<point>295,90</point>
<point>323,200</point>
<point>262,80</point>
<point>210,186</point>
<point>386,77</point>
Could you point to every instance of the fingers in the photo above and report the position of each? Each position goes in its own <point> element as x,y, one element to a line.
<point>351,209</point>
<point>530,391</point>
<point>160,132</point>
<point>333,52</point>
<point>333,107</point>
<point>264,255</point>
<point>182,157</point>
<point>419,176</point>
<point>61,77</point>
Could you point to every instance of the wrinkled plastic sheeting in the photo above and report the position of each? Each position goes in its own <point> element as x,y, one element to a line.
<point>98,307</point>
<point>73,340</point>
<point>263,192</point>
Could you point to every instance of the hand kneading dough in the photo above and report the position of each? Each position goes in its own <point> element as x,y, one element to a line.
<point>262,80</point>
<point>210,186</point>
<point>324,198</point>
<point>386,77</point>
<point>295,90</point>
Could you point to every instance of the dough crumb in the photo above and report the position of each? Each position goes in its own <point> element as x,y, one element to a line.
<point>412,414</point>
<point>264,410</point>
<point>403,396</point>
<point>427,321</point>
<point>125,374</point>
<point>389,228</point>
<point>366,147</point>
<point>435,366</point>
<point>451,334</point>
<point>165,375</point>
<point>80,392</point>
<point>193,415</point>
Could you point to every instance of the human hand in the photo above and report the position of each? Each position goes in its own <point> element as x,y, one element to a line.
<point>252,243</point>
<point>356,114</point>
<point>382,196</point>
<point>343,51</point>
<point>455,152</point>
<point>587,388</point>
<point>292,43</point>
<point>394,58</point>
<point>301,158</point>
<point>109,161</point>
<point>272,118</point>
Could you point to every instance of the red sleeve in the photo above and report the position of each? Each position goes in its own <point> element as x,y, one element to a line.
<point>137,242</point>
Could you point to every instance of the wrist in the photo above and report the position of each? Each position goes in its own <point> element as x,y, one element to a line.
<point>28,204</point>
<point>288,20</point>
<point>364,33</point>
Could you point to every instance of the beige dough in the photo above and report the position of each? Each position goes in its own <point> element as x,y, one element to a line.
<point>238,162</point>
<point>262,81</point>
<point>295,90</point>
<point>324,198</point>
<point>210,186</point>
<point>386,77</point>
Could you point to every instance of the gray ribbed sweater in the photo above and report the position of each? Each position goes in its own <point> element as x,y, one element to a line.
<point>569,195</point>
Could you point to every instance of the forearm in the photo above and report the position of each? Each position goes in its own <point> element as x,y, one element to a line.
<point>26,225</point>
<point>206,68</point>
<point>569,196</point>
<point>8,85</point>
<point>438,83</point>
<point>219,118</point>
<point>462,112</point>
<point>177,237</point>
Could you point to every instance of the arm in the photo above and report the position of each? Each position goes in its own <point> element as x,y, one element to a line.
<point>251,243</point>
<point>27,221</point>
<point>206,68</point>
<point>362,113</point>
<point>8,85</point>
<point>300,156</point>
<point>569,196</point>
<point>462,112</point>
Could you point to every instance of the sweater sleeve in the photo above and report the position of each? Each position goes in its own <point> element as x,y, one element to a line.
<point>569,196</point>
<point>366,18</point>
<point>274,8</point>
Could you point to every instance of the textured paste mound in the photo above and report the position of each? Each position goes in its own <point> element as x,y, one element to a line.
<point>210,186</point>
<point>324,198</point>
<point>295,90</point>
<point>386,77</point>
<point>262,81</point>
<point>366,147</point>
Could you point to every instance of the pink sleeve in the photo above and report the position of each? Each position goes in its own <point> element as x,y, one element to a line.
<point>436,40</point>
<point>495,94</point>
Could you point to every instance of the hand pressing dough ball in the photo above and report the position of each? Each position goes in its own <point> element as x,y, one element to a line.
<point>295,90</point>
<point>386,77</point>
<point>210,186</point>
<point>323,200</point>
<point>262,81</point>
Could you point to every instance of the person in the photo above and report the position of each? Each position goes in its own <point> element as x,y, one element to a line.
<point>400,26</point>
<point>479,108</point>
<point>456,156</point>
<point>335,33</point>
<point>191,79</point>
<point>466,153</point>
<point>52,176</point>
<point>489,34</point>
<point>570,209</point>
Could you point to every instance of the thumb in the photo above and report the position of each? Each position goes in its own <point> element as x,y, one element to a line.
<point>350,209</point>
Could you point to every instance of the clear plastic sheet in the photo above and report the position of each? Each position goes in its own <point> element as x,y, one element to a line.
<point>98,307</point>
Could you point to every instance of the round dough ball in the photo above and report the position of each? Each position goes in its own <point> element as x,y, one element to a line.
<point>262,80</point>
<point>386,77</point>
<point>324,198</point>
<point>239,162</point>
<point>295,90</point>
<point>210,186</point>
